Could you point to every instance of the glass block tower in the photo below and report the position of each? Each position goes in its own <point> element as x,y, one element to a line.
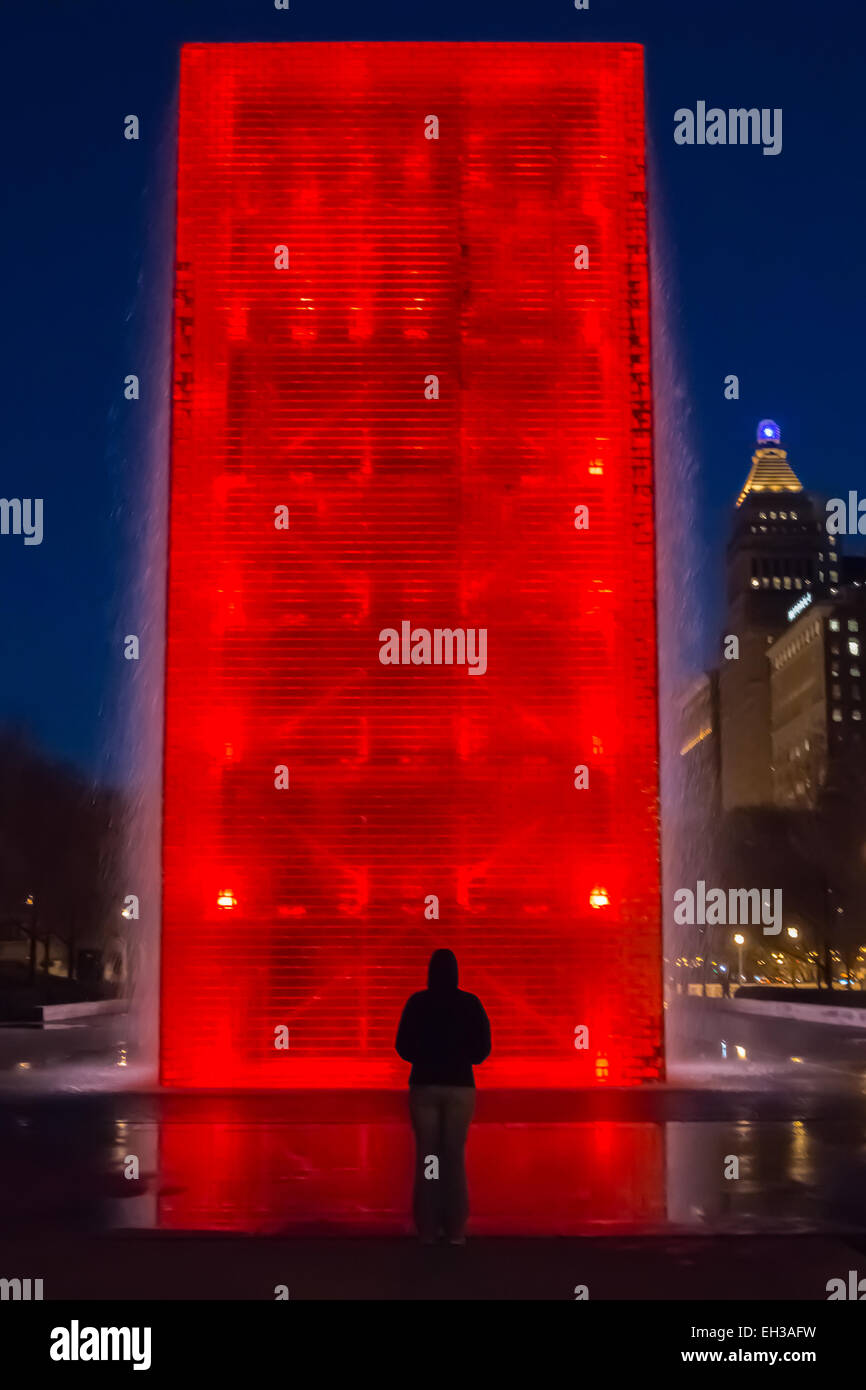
<point>411,393</point>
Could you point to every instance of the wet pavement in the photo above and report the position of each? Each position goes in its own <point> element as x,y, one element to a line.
<point>80,1115</point>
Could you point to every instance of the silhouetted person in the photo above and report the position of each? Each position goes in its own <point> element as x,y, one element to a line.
<point>443,1032</point>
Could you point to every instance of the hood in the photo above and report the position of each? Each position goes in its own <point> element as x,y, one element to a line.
<point>442,970</point>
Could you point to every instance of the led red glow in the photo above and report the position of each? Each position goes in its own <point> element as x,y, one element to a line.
<point>358,814</point>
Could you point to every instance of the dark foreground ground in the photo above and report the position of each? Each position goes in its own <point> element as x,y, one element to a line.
<point>646,1268</point>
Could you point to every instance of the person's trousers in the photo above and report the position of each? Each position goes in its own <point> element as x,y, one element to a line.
<point>440,1118</point>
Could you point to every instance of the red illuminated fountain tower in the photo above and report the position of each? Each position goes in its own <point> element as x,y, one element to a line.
<point>411,386</point>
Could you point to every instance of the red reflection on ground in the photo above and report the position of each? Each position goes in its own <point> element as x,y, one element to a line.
<point>393,391</point>
<point>228,1168</point>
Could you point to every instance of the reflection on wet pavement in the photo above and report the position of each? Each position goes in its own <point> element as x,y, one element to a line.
<point>540,1163</point>
<point>561,1165</point>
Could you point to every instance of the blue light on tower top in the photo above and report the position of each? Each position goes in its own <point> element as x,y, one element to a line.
<point>768,432</point>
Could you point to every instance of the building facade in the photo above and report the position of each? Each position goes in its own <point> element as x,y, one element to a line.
<point>816,698</point>
<point>700,747</point>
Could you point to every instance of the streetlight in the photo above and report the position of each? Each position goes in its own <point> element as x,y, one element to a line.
<point>30,902</point>
<point>740,941</point>
<point>793,935</point>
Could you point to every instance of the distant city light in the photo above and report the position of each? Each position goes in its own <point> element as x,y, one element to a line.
<point>768,429</point>
<point>598,898</point>
<point>227,900</point>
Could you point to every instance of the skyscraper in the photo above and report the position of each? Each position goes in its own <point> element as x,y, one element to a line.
<point>778,551</point>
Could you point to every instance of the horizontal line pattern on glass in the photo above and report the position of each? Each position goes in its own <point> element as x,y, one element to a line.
<point>308,388</point>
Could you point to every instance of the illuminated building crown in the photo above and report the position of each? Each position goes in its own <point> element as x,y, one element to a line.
<point>770,471</point>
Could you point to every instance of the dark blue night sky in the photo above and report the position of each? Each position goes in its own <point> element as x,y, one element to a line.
<point>766,257</point>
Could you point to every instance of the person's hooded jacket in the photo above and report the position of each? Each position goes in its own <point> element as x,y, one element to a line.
<point>444,1031</point>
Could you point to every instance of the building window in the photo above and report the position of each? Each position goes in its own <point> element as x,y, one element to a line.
<point>837,716</point>
<point>857,714</point>
<point>834,575</point>
<point>853,625</point>
<point>853,646</point>
<point>837,692</point>
<point>834,624</point>
<point>793,516</point>
<point>855,672</point>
